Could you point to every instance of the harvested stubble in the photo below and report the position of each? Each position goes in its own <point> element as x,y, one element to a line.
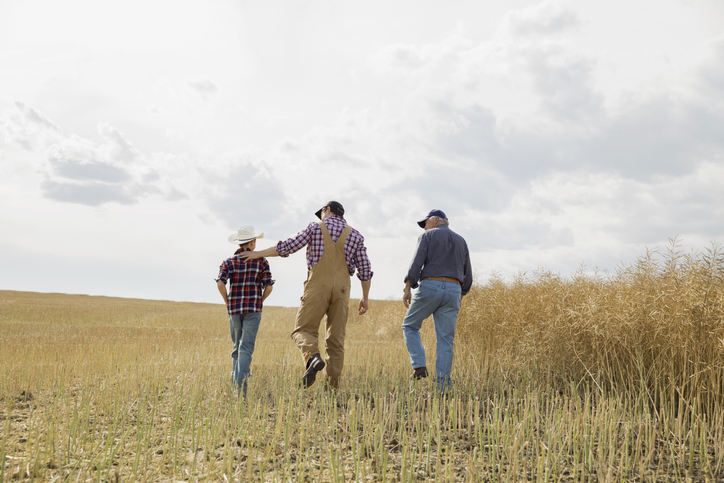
<point>590,378</point>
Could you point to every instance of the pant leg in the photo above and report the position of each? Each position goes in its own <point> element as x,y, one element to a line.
<point>312,308</point>
<point>249,328</point>
<point>235,328</point>
<point>425,301</point>
<point>445,319</point>
<point>336,328</point>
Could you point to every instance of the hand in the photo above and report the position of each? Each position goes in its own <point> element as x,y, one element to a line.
<point>249,255</point>
<point>406,299</point>
<point>363,306</point>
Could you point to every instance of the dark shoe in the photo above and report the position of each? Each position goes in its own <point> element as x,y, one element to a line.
<point>314,365</point>
<point>419,373</point>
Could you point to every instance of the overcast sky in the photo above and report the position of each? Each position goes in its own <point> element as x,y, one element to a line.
<point>136,136</point>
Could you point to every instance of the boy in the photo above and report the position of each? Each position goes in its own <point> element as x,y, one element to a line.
<point>250,283</point>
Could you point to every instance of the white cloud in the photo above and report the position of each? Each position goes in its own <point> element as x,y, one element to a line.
<point>205,88</point>
<point>24,126</point>
<point>80,171</point>
<point>541,20</point>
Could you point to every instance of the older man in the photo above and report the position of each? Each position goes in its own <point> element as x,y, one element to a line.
<point>334,251</point>
<point>442,274</point>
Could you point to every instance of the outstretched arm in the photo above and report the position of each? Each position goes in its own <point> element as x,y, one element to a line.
<point>267,252</point>
<point>364,301</point>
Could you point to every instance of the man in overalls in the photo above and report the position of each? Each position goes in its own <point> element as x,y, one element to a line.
<point>334,251</point>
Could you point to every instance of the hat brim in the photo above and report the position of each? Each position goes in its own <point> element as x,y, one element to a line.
<point>318,214</point>
<point>422,222</point>
<point>233,239</point>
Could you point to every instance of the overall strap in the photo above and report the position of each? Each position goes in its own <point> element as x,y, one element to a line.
<point>325,235</point>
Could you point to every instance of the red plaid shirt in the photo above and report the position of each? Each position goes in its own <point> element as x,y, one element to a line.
<point>247,280</point>
<point>354,248</point>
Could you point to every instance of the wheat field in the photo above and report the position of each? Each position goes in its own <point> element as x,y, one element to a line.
<point>590,377</point>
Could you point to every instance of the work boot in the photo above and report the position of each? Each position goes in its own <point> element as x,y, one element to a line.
<point>419,373</point>
<point>314,365</point>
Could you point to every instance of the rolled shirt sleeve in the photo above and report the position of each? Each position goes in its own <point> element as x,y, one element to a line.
<point>296,243</point>
<point>362,262</point>
<point>266,277</point>
<point>223,273</point>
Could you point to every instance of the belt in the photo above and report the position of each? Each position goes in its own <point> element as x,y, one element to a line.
<point>442,279</point>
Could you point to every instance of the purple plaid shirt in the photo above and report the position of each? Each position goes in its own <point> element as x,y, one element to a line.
<point>247,280</point>
<point>354,248</point>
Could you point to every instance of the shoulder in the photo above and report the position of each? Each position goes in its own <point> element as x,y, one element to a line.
<point>311,230</point>
<point>459,239</point>
<point>457,235</point>
<point>355,235</point>
<point>229,261</point>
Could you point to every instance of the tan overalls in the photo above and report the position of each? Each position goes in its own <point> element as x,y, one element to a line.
<point>326,291</point>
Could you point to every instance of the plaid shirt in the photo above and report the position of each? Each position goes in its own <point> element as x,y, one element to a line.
<point>247,280</point>
<point>354,248</point>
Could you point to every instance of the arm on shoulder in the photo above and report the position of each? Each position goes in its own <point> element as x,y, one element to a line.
<point>267,252</point>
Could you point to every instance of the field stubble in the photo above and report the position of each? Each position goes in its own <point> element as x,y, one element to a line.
<point>589,378</point>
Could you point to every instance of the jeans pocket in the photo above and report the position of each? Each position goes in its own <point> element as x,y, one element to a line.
<point>425,290</point>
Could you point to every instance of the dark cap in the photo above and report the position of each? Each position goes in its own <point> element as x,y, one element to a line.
<point>437,213</point>
<point>336,207</point>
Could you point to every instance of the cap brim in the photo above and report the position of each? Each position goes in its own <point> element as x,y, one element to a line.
<point>422,222</point>
<point>318,214</point>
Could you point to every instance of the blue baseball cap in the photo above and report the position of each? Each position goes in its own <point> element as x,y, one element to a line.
<point>438,213</point>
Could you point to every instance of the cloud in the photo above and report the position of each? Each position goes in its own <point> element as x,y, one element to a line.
<point>186,96</point>
<point>204,88</point>
<point>468,131</point>
<point>688,206</point>
<point>242,191</point>
<point>545,19</point>
<point>432,58</point>
<point>666,131</point>
<point>605,208</point>
<point>536,48</point>
<point>401,56</point>
<point>84,172</point>
<point>710,75</point>
<point>27,128</point>
<point>117,148</point>
<point>565,85</point>
<point>90,194</point>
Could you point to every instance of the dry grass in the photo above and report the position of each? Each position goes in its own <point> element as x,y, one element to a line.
<point>590,378</point>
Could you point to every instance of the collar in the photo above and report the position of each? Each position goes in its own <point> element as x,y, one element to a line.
<point>446,227</point>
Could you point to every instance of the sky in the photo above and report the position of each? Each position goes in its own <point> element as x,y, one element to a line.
<point>136,136</point>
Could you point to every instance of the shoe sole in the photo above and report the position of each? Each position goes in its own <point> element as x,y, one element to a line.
<point>310,375</point>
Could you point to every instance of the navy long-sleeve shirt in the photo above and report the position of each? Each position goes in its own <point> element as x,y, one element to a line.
<point>441,253</point>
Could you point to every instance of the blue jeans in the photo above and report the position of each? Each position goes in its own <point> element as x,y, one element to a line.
<point>442,301</point>
<point>243,334</point>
